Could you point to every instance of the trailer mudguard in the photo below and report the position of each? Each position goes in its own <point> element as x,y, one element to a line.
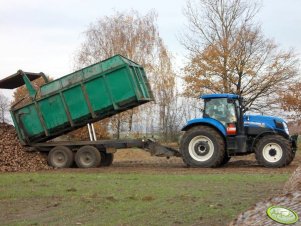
<point>206,121</point>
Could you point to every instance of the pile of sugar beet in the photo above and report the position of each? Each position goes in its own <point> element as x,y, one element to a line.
<point>14,157</point>
<point>290,198</point>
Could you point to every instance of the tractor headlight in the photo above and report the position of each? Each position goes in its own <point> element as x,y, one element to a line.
<point>285,128</point>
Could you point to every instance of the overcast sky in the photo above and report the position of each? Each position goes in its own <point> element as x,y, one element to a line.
<point>43,35</point>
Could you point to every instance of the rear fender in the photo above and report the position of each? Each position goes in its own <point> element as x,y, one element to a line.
<point>206,121</point>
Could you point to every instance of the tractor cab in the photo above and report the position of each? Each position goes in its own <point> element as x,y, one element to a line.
<point>226,109</point>
<point>220,108</point>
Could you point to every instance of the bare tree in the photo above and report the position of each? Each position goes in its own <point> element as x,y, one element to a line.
<point>136,37</point>
<point>190,108</point>
<point>165,92</point>
<point>4,107</point>
<point>229,53</point>
<point>126,33</point>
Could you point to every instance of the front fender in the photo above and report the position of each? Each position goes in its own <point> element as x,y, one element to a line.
<point>205,121</point>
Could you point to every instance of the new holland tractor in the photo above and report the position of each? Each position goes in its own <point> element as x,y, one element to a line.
<point>225,131</point>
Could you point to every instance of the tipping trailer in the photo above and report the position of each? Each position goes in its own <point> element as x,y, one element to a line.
<point>88,95</point>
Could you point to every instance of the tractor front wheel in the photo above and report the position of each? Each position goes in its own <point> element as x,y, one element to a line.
<point>202,146</point>
<point>274,151</point>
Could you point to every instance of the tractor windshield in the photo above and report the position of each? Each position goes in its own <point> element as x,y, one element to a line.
<point>220,109</point>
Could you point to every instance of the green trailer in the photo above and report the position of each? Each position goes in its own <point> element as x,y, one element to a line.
<point>90,94</point>
<point>87,95</point>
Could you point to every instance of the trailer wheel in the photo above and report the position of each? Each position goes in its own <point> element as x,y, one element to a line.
<point>106,159</point>
<point>60,157</point>
<point>87,157</point>
<point>274,151</point>
<point>202,146</point>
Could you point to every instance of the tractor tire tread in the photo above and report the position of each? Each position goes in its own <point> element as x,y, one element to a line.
<point>285,145</point>
<point>219,143</point>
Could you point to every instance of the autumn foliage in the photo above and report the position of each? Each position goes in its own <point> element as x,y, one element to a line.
<point>291,100</point>
<point>228,53</point>
<point>101,131</point>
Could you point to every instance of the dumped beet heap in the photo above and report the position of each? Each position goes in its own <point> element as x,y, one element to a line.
<point>13,157</point>
<point>294,182</point>
<point>291,198</point>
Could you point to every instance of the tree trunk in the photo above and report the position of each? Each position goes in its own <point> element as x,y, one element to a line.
<point>131,120</point>
<point>118,127</point>
<point>2,113</point>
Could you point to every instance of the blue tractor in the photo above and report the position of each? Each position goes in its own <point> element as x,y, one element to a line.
<point>225,131</point>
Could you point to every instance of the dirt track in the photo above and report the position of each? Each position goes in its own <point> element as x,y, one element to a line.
<point>141,161</point>
<point>13,158</point>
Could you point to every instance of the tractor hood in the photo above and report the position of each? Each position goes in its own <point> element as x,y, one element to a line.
<point>264,121</point>
<point>259,121</point>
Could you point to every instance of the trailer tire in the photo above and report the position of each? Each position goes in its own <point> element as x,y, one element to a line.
<point>274,151</point>
<point>87,157</point>
<point>202,146</point>
<point>106,159</point>
<point>60,157</point>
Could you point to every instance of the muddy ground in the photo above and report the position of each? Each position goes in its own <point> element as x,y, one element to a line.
<point>135,160</point>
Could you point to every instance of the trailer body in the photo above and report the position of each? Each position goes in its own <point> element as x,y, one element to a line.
<point>70,102</point>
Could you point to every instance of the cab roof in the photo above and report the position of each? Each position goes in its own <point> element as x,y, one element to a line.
<point>221,95</point>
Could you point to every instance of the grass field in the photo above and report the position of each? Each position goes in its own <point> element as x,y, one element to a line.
<point>97,198</point>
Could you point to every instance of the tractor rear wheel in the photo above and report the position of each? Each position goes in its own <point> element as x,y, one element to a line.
<point>202,146</point>
<point>87,157</point>
<point>60,157</point>
<point>274,151</point>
